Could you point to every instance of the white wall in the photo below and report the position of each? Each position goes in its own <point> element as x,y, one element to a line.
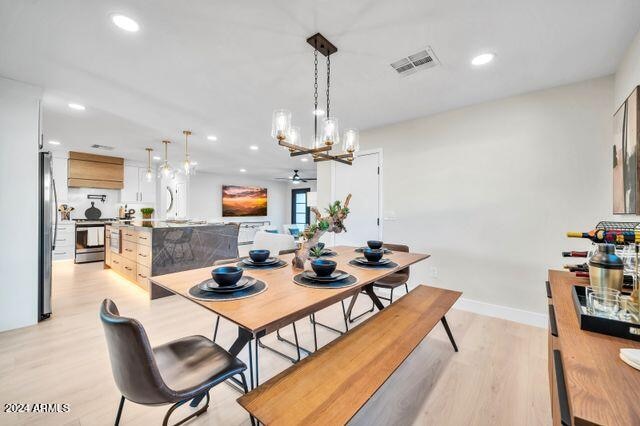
<point>19,112</point>
<point>490,190</point>
<point>205,197</point>
<point>628,73</point>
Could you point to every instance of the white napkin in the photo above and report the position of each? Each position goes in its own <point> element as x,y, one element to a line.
<point>631,357</point>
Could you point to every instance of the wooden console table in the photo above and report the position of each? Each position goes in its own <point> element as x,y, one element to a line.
<point>589,383</point>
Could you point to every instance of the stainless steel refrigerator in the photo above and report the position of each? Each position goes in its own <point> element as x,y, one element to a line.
<point>48,230</point>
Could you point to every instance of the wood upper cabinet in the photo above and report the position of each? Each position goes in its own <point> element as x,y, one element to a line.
<point>95,171</point>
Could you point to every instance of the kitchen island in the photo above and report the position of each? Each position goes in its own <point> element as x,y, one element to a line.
<point>138,250</point>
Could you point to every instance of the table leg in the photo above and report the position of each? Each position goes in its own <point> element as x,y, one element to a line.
<point>372,295</point>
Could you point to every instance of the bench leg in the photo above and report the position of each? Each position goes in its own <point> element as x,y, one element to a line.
<point>448,330</point>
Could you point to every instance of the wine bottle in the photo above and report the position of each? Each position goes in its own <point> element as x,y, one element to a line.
<point>610,237</point>
<point>574,254</point>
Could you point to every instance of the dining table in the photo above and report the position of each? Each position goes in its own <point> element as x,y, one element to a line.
<point>284,301</point>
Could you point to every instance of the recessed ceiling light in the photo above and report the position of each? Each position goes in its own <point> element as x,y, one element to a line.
<point>212,138</point>
<point>77,107</point>
<point>125,23</point>
<point>318,112</point>
<point>304,160</point>
<point>157,157</point>
<point>253,147</point>
<point>54,143</point>
<point>243,170</point>
<point>482,59</point>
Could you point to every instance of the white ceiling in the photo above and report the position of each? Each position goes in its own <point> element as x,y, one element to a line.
<point>221,67</point>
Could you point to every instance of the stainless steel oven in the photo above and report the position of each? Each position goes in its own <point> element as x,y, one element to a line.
<point>89,242</point>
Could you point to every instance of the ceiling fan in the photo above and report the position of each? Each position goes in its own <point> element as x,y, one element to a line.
<point>296,178</point>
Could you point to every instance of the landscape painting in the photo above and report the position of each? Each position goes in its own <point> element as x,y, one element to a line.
<point>243,201</point>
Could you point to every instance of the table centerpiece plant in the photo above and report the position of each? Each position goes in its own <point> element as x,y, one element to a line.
<point>332,222</point>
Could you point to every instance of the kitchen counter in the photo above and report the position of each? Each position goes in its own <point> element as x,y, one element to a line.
<point>140,225</point>
<point>150,248</point>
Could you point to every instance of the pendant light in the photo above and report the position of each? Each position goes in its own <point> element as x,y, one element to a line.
<point>326,136</point>
<point>188,166</point>
<point>165,170</point>
<point>148,174</point>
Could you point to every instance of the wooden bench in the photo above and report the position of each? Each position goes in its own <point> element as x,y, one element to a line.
<point>330,386</point>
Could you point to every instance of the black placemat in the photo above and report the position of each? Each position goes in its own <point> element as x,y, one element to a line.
<point>361,249</point>
<point>281,263</point>
<point>211,296</point>
<point>300,279</point>
<point>389,265</point>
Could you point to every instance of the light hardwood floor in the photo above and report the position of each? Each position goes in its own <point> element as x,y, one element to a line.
<point>499,377</point>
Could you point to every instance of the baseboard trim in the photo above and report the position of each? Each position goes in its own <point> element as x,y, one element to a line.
<point>503,312</point>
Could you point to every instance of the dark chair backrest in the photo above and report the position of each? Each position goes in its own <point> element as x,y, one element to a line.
<point>132,363</point>
<point>289,251</point>
<point>399,247</point>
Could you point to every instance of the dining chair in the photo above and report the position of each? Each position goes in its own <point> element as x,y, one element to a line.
<point>390,282</point>
<point>173,373</point>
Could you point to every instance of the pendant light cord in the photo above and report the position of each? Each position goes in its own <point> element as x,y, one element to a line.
<point>315,96</point>
<point>328,85</point>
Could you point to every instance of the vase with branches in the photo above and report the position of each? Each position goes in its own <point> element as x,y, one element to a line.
<point>336,214</point>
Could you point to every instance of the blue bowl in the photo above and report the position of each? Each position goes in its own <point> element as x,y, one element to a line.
<point>259,255</point>
<point>227,276</point>
<point>373,255</point>
<point>322,267</point>
<point>374,244</point>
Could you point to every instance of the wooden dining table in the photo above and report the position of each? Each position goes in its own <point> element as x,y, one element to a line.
<point>284,301</point>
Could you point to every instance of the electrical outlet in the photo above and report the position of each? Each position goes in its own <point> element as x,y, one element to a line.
<point>434,272</point>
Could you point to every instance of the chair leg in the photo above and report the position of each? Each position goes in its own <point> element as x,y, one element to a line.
<point>295,344</point>
<point>352,304</point>
<point>312,319</point>
<point>165,421</point>
<point>446,328</point>
<point>119,414</point>
<point>406,287</point>
<point>244,386</point>
<point>215,330</point>
<point>391,297</point>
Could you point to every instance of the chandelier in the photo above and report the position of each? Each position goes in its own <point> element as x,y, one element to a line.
<point>327,136</point>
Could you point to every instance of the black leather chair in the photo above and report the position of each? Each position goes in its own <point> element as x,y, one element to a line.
<point>390,282</point>
<point>172,373</point>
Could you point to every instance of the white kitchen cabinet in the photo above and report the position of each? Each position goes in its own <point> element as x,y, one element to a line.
<point>59,168</point>
<point>130,193</point>
<point>136,188</point>
<point>147,189</point>
<point>65,241</point>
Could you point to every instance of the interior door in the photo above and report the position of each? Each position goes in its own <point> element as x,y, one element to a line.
<point>362,181</point>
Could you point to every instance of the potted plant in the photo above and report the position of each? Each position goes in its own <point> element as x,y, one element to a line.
<point>333,222</point>
<point>147,212</point>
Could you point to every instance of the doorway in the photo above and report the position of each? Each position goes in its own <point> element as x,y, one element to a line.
<point>299,208</point>
<point>363,180</point>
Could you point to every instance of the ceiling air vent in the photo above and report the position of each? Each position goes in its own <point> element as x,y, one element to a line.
<point>104,147</point>
<point>418,61</point>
